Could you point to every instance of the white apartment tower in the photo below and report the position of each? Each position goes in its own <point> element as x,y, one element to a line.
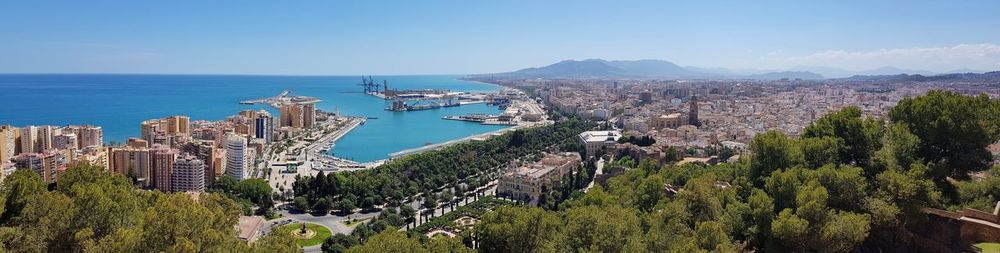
<point>237,154</point>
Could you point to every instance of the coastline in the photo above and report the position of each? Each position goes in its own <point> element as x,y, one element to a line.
<point>210,97</point>
<point>320,147</point>
<point>484,136</point>
<point>481,82</point>
<point>374,159</point>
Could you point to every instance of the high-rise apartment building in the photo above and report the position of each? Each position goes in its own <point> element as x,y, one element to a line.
<point>49,164</point>
<point>162,138</point>
<point>132,162</point>
<point>169,126</point>
<point>205,151</point>
<point>237,154</point>
<point>45,134</point>
<point>298,115</point>
<point>180,125</point>
<point>308,115</point>
<point>29,139</point>
<point>32,161</point>
<point>260,124</point>
<point>148,128</point>
<point>264,127</point>
<point>219,163</point>
<point>164,158</point>
<point>87,136</point>
<point>66,140</point>
<point>285,115</point>
<point>188,174</point>
<point>8,143</point>
<point>137,143</point>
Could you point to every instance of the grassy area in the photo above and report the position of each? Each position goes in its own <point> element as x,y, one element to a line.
<point>989,247</point>
<point>273,216</point>
<point>353,222</point>
<point>321,233</point>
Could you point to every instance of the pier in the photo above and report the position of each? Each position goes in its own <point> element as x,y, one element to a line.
<point>400,105</point>
<point>282,98</point>
<point>474,117</point>
<point>318,149</point>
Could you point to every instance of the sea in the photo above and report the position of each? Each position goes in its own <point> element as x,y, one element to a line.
<point>118,103</point>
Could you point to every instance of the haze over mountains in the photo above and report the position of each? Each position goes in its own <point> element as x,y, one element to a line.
<point>598,68</point>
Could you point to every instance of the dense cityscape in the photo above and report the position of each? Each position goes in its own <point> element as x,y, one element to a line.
<point>264,161</point>
<point>783,126</point>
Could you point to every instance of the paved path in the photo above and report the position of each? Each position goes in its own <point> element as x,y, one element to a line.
<point>490,190</point>
<point>600,170</point>
<point>336,222</point>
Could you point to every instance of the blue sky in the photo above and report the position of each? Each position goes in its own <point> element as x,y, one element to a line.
<point>459,37</point>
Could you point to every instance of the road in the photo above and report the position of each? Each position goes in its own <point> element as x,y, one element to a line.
<point>600,170</point>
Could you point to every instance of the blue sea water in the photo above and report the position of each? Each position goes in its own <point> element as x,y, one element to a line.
<point>119,103</point>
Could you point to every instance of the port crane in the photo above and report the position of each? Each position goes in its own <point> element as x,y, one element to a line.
<point>371,86</point>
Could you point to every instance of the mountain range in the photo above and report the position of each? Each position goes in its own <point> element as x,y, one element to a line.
<point>598,68</point>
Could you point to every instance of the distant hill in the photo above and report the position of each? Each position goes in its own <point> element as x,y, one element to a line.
<point>656,68</point>
<point>970,77</point>
<point>831,72</point>
<point>660,69</point>
<point>787,75</point>
<point>597,68</point>
<point>571,68</point>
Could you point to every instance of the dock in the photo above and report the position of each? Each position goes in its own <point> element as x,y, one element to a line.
<point>282,98</point>
<point>400,105</point>
<point>318,149</point>
<point>474,117</point>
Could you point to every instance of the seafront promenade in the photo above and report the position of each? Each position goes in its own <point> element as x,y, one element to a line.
<point>482,136</point>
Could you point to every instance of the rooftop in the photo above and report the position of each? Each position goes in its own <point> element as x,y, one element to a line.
<point>546,165</point>
<point>598,136</point>
<point>249,226</point>
<point>671,116</point>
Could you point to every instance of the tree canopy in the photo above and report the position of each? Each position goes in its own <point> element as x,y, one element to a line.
<point>431,170</point>
<point>953,130</point>
<point>93,210</point>
<point>848,183</point>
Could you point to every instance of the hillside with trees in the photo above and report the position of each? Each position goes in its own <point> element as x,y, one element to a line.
<point>92,210</point>
<point>848,183</point>
<point>394,182</point>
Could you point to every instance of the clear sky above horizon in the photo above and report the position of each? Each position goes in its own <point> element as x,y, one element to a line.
<point>462,37</point>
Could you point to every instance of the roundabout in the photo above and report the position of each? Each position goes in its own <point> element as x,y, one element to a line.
<point>308,234</point>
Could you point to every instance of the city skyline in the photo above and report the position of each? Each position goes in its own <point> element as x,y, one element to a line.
<point>319,38</point>
<point>515,126</point>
